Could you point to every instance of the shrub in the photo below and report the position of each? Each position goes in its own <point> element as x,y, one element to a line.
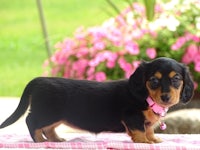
<point>114,49</point>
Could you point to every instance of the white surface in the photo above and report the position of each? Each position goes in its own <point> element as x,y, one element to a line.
<point>8,106</point>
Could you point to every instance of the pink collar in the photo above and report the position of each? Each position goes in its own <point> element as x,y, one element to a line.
<point>161,111</point>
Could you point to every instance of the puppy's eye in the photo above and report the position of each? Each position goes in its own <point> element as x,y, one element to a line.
<point>154,82</point>
<point>175,81</point>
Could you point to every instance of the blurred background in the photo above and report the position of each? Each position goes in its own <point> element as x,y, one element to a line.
<point>22,46</point>
<point>96,40</point>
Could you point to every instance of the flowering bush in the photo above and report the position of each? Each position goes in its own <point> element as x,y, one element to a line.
<point>114,49</point>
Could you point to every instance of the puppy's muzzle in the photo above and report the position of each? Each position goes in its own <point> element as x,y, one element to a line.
<point>165,97</point>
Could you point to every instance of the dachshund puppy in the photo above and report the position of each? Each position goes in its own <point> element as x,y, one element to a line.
<point>133,105</point>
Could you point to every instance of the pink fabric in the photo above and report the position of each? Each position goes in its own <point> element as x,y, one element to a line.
<point>103,141</point>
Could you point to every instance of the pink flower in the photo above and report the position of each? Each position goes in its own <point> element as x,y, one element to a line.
<point>186,59</point>
<point>192,50</point>
<point>97,33</point>
<point>197,67</point>
<point>68,45</point>
<point>100,76</point>
<point>132,48</point>
<point>110,64</point>
<point>91,77</point>
<point>139,8</point>
<point>190,54</point>
<point>135,65</point>
<point>58,58</point>
<point>137,34</point>
<point>127,67</point>
<point>114,36</point>
<point>158,8</point>
<point>67,69</point>
<point>179,43</point>
<point>196,38</point>
<point>197,58</point>
<point>83,51</point>
<point>99,45</point>
<point>188,36</point>
<point>111,58</point>
<point>103,56</point>
<point>90,71</point>
<point>128,73</point>
<point>123,64</point>
<point>55,71</point>
<point>195,85</point>
<point>79,67</point>
<point>97,60</point>
<point>151,53</point>
<point>120,19</point>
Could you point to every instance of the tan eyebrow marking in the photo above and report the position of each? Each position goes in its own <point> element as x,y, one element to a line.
<point>158,75</point>
<point>172,74</point>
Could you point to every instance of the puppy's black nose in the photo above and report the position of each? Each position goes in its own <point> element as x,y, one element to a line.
<point>165,97</point>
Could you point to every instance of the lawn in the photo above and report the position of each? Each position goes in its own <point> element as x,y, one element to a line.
<point>21,42</point>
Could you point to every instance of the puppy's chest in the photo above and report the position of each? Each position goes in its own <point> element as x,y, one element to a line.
<point>150,117</point>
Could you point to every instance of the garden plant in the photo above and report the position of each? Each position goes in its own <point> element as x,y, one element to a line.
<point>114,49</point>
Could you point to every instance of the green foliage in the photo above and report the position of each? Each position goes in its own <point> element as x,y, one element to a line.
<point>21,42</point>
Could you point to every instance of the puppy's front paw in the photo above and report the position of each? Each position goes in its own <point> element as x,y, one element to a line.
<point>156,140</point>
<point>139,140</point>
<point>139,137</point>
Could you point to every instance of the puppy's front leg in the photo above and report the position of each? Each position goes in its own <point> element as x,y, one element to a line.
<point>150,135</point>
<point>150,119</point>
<point>137,136</point>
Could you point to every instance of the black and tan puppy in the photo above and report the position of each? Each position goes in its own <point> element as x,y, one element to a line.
<point>115,106</point>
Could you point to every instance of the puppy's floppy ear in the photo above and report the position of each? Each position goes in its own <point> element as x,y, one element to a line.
<point>188,86</point>
<point>137,82</point>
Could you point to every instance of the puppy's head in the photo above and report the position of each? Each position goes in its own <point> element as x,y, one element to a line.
<point>165,80</point>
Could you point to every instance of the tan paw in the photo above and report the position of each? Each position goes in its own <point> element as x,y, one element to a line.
<point>141,140</point>
<point>156,140</point>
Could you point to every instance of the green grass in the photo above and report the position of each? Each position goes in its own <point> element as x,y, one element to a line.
<point>22,50</point>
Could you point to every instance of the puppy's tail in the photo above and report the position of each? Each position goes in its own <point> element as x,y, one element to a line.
<point>20,110</point>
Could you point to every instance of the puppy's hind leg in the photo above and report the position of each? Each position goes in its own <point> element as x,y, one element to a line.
<point>36,134</point>
<point>50,133</point>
